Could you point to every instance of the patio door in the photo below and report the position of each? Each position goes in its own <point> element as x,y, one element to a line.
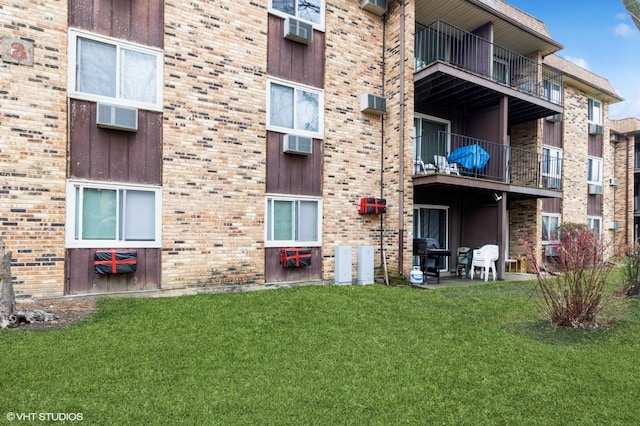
<point>432,222</point>
<point>431,137</point>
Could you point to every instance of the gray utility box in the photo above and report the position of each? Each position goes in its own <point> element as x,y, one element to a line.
<point>343,265</point>
<point>365,265</point>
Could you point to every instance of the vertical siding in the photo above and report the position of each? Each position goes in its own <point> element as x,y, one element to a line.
<point>291,173</point>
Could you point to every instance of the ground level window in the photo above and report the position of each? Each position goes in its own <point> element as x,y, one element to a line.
<point>595,223</point>
<point>293,221</point>
<point>550,224</point>
<point>111,215</point>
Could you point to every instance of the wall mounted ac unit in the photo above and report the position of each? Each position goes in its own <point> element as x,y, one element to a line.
<point>294,144</point>
<point>613,181</point>
<point>379,7</point>
<point>595,129</point>
<point>117,117</point>
<point>595,189</point>
<point>550,250</point>
<point>555,118</point>
<point>373,104</point>
<point>298,31</point>
<point>614,225</point>
<point>614,137</point>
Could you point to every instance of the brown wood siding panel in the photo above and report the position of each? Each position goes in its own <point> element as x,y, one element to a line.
<point>594,205</point>
<point>140,21</point>
<point>595,145</point>
<point>293,61</point>
<point>274,272</point>
<point>115,155</point>
<point>551,205</point>
<point>291,173</point>
<point>82,279</point>
<point>552,133</point>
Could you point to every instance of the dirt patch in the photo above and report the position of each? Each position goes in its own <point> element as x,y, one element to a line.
<point>67,312</point>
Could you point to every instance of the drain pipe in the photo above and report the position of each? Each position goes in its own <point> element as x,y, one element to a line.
<point>384,69</point>
<point>401,145</point>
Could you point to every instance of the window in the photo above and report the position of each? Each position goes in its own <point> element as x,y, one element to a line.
<point>551,167</point>
<point>311,11</point>
<point>552,92</point>
<point>112,215</point>
<point>594,170</point>
<point>550,224</point>
<point>295,109</point>
<point>595,223</point>
<point>103,69</point>
<point>500,70</point>
<point>595,112</point>
<point>293,221</point>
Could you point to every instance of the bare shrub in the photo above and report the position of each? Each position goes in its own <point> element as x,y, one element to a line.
<point>573,282</point>
<point>631,272</point>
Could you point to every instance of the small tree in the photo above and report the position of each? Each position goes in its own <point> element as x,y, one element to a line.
<point>573,282</point>
<point>7,297</point>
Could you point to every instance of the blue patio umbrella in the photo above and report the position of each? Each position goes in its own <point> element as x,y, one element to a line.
<point>471,157</point>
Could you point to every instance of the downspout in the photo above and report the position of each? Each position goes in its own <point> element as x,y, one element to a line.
<point>384,69</point>
<point>401,146</point>
<point>626,192</point>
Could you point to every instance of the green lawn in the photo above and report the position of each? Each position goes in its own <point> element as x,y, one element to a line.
<point>327,355</point>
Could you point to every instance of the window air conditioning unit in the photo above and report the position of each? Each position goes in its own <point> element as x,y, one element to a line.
<point>379,7</point>
<point>373,104</point>
<point>294,144</point>
<point>117,117</point>
<point>595,189</point>
<point>555,118</point>
<point>613,181</point>
<point>614,225</point>
<point>298,31</point>
<point>595,129</point>
<point>550,250</point>
<point>614,137</point>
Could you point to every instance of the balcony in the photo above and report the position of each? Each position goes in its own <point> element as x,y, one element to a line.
<point>505,164</point>
<point>460,70</point>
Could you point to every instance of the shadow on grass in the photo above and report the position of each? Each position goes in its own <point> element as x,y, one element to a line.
<point>542,332</point>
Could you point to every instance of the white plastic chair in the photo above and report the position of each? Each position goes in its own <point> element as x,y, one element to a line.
<point>485,258</point>
<point>444,166</point>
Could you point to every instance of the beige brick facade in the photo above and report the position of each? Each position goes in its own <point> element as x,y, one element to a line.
<point>33,147</point>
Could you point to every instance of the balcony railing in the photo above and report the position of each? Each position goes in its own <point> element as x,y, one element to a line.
<point>504,164</point>
<point>445,43</point>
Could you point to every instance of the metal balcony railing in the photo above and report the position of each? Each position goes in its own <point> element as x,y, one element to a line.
<point>442,42</point>
<point>505,164</point>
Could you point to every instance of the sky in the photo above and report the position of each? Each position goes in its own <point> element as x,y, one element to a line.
<point>600,36</point>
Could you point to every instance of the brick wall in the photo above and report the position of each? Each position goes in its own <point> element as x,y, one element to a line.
<point>214,143</point>
<point>33,147</point>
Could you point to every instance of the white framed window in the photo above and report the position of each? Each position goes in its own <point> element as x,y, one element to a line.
<point>595,111</point>
<point>595,223</point>
<point>107,214</point>
<point>311,11</point>
<point>293,221</point>
<point>104,69</point>
<point>552,92</point>
<point>550,225</point>
<point>552,166</point>
<point>594,170</point>
<point>295,109</point>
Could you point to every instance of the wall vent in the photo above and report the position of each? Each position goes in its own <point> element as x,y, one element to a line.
<point>298,31</point>
<point>595,129</point>
<point>379,7</point>
<point>555,118</point>
<point>373,104</point>
<point>613,181</point>
<point>595,189</point>
<point>294,144</point>
<point>117,117</point>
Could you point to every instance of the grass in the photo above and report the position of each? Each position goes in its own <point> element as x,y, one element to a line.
<point>327,355</point>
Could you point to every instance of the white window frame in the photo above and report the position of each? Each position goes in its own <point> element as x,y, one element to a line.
<point>554,152</point>
<point>72,92</point>
<point>296,87</point>
<point>598,162</point>
<point>316,25</point>
<point>73,232</point>
<point>594,111</point>
<point>290,243</point>
<point>591,221</point>
<point>557,216</point>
